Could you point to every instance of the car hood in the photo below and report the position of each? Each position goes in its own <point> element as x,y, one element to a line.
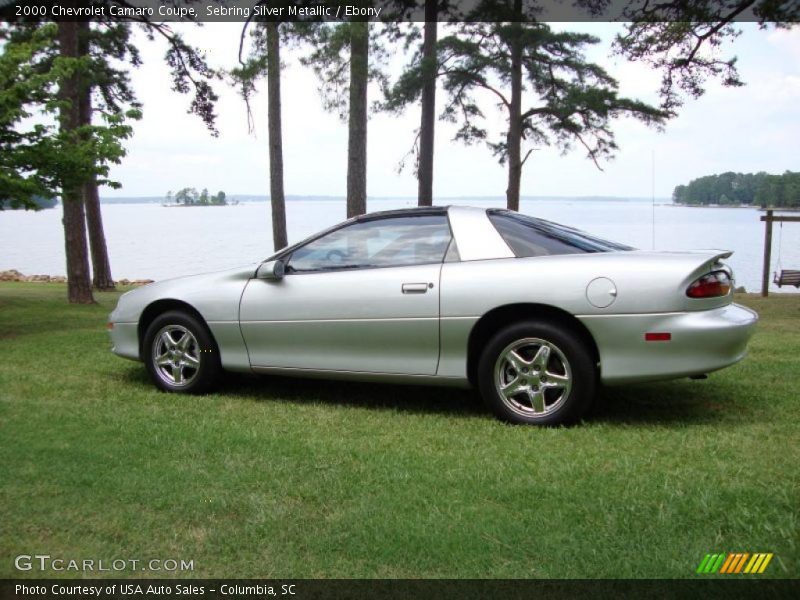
<point>242,272</point>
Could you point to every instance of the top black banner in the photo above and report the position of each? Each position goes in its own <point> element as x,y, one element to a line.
<point>786,11</point>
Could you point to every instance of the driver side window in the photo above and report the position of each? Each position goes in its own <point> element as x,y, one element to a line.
<point>388,242</point>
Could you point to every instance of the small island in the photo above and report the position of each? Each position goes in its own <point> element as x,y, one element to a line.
<point>741,189</point>
<point>188,196</point>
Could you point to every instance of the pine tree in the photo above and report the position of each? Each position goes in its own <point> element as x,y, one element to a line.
<point>427,123</point>
<point>277,197</point>
<point>265,58</point>
<point>346,57</point>
<point>48,75</point>
<point>72,86</point>
<point>106,44</point>
<point>95,44</point>
<point>540,78</point>
<point>357,120</point>
<point>417,83</point>
<point>93,49</point>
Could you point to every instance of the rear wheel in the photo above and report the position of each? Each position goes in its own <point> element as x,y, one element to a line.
<point>180,354</point>
<point>537,372</point>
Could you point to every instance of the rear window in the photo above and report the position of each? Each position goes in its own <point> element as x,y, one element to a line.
<point>527,236</point>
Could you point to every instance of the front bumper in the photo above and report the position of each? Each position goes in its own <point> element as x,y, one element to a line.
<point>125,340</point>
<point>701,342</point>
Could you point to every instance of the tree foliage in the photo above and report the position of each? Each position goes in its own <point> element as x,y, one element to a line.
<point>189,196</point>
<point>83,70</point>
<point>190,71</point>
<point>569,101</point>
<point>330,59</point>
<point>111,40</point>
<point>685,40</point>
<point>24,83</point>
<point>37,157</point>
<point>756,189</point>
<point>346,57</point>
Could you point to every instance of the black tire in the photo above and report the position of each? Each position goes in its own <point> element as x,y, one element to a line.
<point>558,394</point>
<point>193,365</point>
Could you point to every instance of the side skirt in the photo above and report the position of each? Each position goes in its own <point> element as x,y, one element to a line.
<point>398,378</point>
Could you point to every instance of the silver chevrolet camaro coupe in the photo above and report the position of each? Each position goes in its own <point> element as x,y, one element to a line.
<point>534,314</point>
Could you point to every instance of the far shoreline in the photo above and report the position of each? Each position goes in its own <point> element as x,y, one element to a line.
<point>719,206</point>
<point>12,275</point>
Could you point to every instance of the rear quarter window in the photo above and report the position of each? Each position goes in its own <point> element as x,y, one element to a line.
<point>528,236</point>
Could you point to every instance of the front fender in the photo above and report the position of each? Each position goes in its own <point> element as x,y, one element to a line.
<point>214,296</point>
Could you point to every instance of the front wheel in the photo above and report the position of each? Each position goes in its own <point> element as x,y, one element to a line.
<point>180,354</point>
<point>536,372</point>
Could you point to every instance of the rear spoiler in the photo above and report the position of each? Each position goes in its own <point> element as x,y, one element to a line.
<point>716,252</point>
<point>714,256</point>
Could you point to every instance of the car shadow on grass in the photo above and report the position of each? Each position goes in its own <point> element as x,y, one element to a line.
<point>403,398</point>
<point>678,403</point>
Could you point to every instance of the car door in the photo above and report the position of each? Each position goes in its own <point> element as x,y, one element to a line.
<point>361,298</point>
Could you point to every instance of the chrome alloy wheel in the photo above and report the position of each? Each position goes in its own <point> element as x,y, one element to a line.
<point>532,377</point>
<point>176,355</point>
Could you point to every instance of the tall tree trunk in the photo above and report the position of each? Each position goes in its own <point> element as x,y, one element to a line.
<point>79,285</point>
<point>278,201</point>
<point>514,138</point>
<point>357,124</point>
<point>428,118</point>
<point>101,266</point>
<point>277,198</point>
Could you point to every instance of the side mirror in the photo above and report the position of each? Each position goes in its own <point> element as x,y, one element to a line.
<point>273,270</point>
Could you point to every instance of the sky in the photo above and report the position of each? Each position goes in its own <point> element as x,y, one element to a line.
<point>748,129</point>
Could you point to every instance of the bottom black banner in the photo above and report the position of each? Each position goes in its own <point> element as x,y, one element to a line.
<point>306,589</point>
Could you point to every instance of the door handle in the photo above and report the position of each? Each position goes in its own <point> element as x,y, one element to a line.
<point>416,288</point>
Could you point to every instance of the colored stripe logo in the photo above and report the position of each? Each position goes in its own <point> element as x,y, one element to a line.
<point>734,563</point>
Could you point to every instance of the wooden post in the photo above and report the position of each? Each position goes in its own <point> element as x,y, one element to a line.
<point>767,254</point>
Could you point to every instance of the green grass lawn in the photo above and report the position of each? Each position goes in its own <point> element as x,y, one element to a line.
<point>283,478</point>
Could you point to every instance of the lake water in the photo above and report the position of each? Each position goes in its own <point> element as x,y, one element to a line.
<point>153,242</point>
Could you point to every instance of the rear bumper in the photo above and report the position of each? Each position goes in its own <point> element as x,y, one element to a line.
<point>701,342</point>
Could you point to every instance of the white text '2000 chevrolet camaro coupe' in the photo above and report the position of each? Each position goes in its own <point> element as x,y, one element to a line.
<point>534,314</point>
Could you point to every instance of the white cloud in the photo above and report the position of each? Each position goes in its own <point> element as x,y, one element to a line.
<point>786,40</point>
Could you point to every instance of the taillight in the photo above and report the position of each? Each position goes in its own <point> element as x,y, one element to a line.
<point>710,286</point>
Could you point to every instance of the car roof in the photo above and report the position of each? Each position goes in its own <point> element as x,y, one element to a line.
<point>474,235</point>
<point>415,211</point>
